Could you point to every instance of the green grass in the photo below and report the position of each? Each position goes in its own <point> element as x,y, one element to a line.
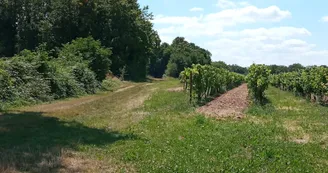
<point>164,134</point>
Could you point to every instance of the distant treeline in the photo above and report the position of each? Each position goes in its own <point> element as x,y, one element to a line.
<point>275,69</point>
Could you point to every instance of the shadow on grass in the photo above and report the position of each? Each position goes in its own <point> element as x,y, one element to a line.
<point>34,143</point>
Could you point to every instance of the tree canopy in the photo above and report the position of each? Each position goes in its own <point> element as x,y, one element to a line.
<point>183,54</point>
<point>121,25</point>
<point>233,68</point>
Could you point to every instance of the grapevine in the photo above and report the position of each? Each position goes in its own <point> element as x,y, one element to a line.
<point>209,81</point>
<point>258,81</point>
<point>311,83</point>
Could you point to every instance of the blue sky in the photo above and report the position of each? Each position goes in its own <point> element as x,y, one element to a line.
<point>245,32</point>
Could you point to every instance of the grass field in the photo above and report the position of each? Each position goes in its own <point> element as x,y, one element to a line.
<point>146,128</point>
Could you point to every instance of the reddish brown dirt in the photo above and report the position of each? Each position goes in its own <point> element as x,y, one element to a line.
<point>230,104</point>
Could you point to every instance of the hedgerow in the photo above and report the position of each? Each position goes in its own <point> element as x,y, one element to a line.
<point>33,76</point>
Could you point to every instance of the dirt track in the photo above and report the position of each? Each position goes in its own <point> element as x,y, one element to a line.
<point>68,104</point>
<point>230,104</point>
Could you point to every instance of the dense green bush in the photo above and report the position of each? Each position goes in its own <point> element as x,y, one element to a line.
<point>22,83</point>
<point>6,83</point>
<point>90,51</point>
<point>110,84</point>
<point>172,70</point>
<point>258,81</point>
<point>63,82</point>
<point>34,76</point>
<point>86,78</point>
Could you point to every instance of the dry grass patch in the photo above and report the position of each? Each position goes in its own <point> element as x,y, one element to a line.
<point>75,163</point>
<point>296,132</point>
<point>176,89</point>
<point>258,120</point>
<point>289,108</point>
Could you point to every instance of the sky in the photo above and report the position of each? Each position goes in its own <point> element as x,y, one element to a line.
<point>244,32</point>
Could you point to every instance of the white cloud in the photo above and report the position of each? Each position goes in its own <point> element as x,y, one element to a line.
<point>174,20</point>
<point>269,45</point>
<point>277,33</point>
<point>245,51</point>
<point>196,9</point>
<point>167,39</point>
<point>231,4</point>
<point>250,14</point>
<point>324,19</point>
<point>214,23</point>
<point>229,17</point>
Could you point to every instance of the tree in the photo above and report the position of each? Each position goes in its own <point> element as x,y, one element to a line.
<point>277,69</point>
<point>89,51</point>
<point>295,67</point>
<point>160,60</point>
<point>119,24</point>
<point>184,54</point>
<point>238,69</point>
<point>220,64</point>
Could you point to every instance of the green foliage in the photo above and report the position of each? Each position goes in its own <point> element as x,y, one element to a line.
<point>86,78</point>
<point>258,81</point>
<point>63,82</point>
<point>122,73</point>
<point>238,69</point>
<point>32,77</point>
<point>22,83</point>
<point>160,61</point>
<point>295,67</point>
<point>172,70</point>
<point>121,25</point>
<point>90,51</point>
<point>110,84</point>
<point>233,68</point>
<point>311,82</point>
<point>184,54</point>
<point>209,81</point>
<point>220,64</point>
<point>276,69</point>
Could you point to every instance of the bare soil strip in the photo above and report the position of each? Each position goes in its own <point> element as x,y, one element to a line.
<point>230,104</point>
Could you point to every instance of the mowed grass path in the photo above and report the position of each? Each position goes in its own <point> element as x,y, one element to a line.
<point>149,129</point>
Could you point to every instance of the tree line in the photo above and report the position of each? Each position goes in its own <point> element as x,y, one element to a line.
<point>54,49</point>
<point>121,25</point>
<point>174,58</point>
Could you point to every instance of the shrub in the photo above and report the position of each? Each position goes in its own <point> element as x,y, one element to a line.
<point>63,82</point>
<point>5,83</point>
<point>86,78</point>
<point>21,83</point>
<point>258,81</point>
<point>90,51</point>
<point>110,84</point>
<point>172,70</point>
